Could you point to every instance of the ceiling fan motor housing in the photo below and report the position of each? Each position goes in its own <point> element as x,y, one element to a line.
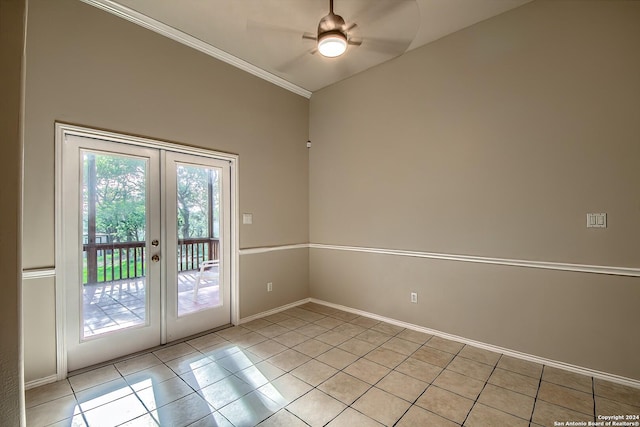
<point>331,22</point>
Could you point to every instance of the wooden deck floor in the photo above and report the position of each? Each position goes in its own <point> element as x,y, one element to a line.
<point>110,306</point>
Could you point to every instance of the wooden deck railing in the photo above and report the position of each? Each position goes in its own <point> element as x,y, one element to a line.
<point>126,260</point>
<point>191,252</point>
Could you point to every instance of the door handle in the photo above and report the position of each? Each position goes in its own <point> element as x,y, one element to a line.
<point>155,258</point>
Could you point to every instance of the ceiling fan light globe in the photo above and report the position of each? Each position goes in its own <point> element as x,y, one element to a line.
<point>332,44</point>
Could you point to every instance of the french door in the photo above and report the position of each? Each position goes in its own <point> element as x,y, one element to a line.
<point>145,253</point>
<point>197,271</point>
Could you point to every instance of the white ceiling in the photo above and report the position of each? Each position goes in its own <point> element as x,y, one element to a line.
<point>265,36</point>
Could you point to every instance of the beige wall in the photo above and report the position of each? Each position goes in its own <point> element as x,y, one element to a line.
<point>494,141</point>
<point>87,67</point>
<point>39,314</point>
<point>583,319</point>
<point>288,272</point>
<point>12,24</point>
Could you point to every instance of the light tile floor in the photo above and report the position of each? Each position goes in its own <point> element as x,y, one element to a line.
<point>315,365</point>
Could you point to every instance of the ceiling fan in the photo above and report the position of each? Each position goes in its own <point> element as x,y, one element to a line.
<point>333,35</point>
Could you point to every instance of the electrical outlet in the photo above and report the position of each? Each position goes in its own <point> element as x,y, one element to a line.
<point>414,297</point>
<point>269,286</point>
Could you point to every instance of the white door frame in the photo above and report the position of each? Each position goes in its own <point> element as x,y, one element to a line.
<point>61,130</point>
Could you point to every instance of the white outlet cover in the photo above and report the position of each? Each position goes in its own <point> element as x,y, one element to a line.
<point>247,218</point>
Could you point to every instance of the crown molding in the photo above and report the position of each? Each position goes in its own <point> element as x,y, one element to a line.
<point>193,42</point>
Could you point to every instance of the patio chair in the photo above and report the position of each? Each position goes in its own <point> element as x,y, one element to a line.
<point>208,270</point>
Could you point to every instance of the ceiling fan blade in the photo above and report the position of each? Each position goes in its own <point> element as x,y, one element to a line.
<point>393,47</point>
<point>351,27</point>
<point>295,61</point>
<point>377,10</point>
<point>354,42</point>
<point>309,36</point>
<point>263,26</point>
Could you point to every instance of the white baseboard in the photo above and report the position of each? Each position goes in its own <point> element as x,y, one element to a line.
<point>274,311</point>
<point>40,381</point>
<point>513,353</point>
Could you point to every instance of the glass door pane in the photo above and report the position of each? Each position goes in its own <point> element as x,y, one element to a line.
<point>198,235</point>
<point>114,229</point>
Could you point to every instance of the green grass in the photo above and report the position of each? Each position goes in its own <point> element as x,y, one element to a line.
<point>119,270</point>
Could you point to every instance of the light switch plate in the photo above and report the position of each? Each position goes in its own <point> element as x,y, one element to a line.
<point>247,218</point>
<point>596,220</point>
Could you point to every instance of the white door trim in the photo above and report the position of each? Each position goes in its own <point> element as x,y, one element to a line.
<point>61,131</point>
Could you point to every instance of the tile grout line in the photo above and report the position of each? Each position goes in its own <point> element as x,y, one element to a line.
<point>593,390</point>
<point>431,383</point>
<point>535,399</point>
<point>342,370</point>
<point>182,379</point>
<point>391,370</point>
<point>483,387</point>
<point>313,358</point>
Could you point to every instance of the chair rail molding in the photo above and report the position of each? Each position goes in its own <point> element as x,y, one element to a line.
<point>38,273</point>
<point>547,265</point>
<point>264,249</point>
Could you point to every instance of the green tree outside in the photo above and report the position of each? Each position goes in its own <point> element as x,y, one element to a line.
<point>120,193</point>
